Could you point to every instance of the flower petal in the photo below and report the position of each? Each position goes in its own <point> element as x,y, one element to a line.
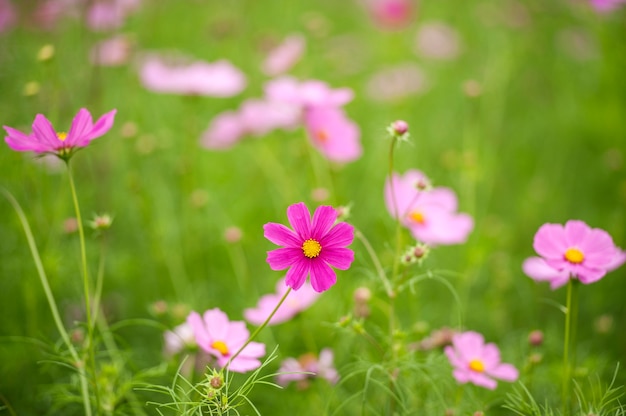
<point>323,219</point>
<point>550,242</point>
<point>44,132</point>
<point>506,372</point>
<point>199,330</point>
<point>300,219</point>
<point>340,258</point>
<point>322,276</point>
<point>81,126</point>
<point>281,235</point>
<point>103,125</point>
<point>282,258</point>
<point>340,235</point>
<point>297,274</point>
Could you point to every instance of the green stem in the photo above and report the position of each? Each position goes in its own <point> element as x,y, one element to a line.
<point>259,329</point>
<point>396,260</point>
<point>379,268</point>
<point>87,294</point>
<point>56,316</point>
<point>566,344</point>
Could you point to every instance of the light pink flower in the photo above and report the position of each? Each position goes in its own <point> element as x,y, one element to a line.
<point>572,251</point>
<point>109,15</point>
<point>312,247</point>
<point>476,362</point>
<point>311,93</point>
<point>333,134</point>
<point>604,6</point>
<point>222,338</point>
<point>224,131</point>
<point>296,302</point>
<point>217,79</point>
<point>391,14</point>
<point>284,56</point>
<point>438,40</point>
<point>430,215</point>
<point>111,52</point>
<point>44,139</point>
<point>292,369</point>
<point>259,117</point>
<point>178,339</point>
<point>8,15</point>
<point>397,82</point>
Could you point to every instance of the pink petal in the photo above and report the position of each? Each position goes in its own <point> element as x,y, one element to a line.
<point>575,232</point>
<point>538,269</point>
<point>223,132</point>
<point>453,357</point>
<point>549,241</point>
<point>461,375</point>
<point>340,235</point>
<point>619,258</point>
<point>322,276</point>
<point>199,330</point>
<point>103,125</point>
<point>323,219</point>
<point>22,142</point>
<point>81,126</point>
<point>480,379</point>
<point>300,220</point>
<point>216,323</point>
<point>281,235</point>
<point>340,258</point>
<point>297,274</point>
<point>506,372</point>
<point>598,249</point>
<point>587,275</point>
<point>282,258</point>
<point>44,132</point>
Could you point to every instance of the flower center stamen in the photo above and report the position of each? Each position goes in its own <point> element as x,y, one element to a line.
<point>321,136</point>
<point>62,136</point>
<point>417,216</point>
<point>220,346</point>
<point>477,366</point>
<point>311,248</point>
<point>574,255</point>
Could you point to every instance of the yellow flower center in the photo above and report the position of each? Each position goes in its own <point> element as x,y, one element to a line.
<point>417,216</point>
<point>311,248</point>
<point>220,346</point>
<point>574,255</point>
<point>321,136</point>
<point>477,366</point>
<point>62,136</point>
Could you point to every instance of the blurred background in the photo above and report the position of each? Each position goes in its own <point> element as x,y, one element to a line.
<point>519,106</point>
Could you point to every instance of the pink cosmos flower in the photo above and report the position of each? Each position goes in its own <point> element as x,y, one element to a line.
<point>574,251</point>
<point>430,215</point>
<point>292,369</point>
<point>391,14</point>
<point>311,248</point>
<point>333,134</point>
<point>604,6</point>
<point>178,339</point>
<point>284,56</point>
<point>221,338</point>
<point>311,93</point>
<point>217,79</point>
<point>476,362</point>
<point>44,139</point>
<point>259,116</point>
<point>111,52</point>
<point>438,40</point>
<point>296,302</point>
<point>224,131</point>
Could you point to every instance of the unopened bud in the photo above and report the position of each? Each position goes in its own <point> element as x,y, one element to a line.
<point>101,222</point>
<point>216,382</point>
<point>535,338</point>
<point>343,212</point>
<point>400,127</point>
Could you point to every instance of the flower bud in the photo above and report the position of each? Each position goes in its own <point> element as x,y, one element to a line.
<point>535,338</point>
<point>400,127</point>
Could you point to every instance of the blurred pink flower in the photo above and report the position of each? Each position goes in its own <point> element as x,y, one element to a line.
<point>292,369</point>
<point>284,56</point>
<point>572,251</point>
<point>397,82</point>
<point>604,6</point>
<point>333,134</point>
<point>111,52</point>
<point>109,15</point>
<point>222,338</point>
<point>437,40</point>
<point>259,117</point>
<point>224,131</point>
<point>392,14</point>
<point>217,79</point>
<point>178,339</point>
<point>312,247</point>
<point>430,215</point>
<point>311,93</point>
<point>44,139</point>
<point>296,302</point>
<point>476,362</point>
<point>8,15</point>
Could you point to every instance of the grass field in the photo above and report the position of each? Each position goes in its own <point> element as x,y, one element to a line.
<point>517,106</point>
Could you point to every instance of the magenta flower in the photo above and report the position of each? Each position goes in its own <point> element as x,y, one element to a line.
<point>44,139</point>
<point>574,251</point>
<point>392,14</point>
<point>292,369</point>
<point>333,134</point>
<point>476,362</point>
<point>311,93</point>
<point>217,79</point>
<point>296,302</point>
<point>604,6</point>
<point>8,15</point>
<point>430,214</point>
<point>311,248</point>
<point>221,338</point>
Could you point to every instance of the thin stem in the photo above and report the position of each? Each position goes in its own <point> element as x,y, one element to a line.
<point>396,210</point>
<point>566,342</point>
<point>379,268</point>
<point>259,329</point>
<point>56,316</point>
<point>87,294</point>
